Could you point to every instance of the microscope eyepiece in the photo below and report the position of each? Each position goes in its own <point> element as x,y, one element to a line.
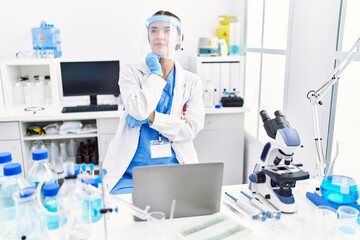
<point>278,113</point>
<point>264,115</point>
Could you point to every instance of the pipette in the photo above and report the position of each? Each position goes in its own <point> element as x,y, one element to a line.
<point>83,168</point>
<point>92,167</point>
<point>260,205</point>
<point>252,211</point>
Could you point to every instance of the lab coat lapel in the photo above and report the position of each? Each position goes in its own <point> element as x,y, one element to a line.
<point>178,90</point>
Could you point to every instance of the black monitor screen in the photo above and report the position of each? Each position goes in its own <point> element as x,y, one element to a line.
<point>90,78</point>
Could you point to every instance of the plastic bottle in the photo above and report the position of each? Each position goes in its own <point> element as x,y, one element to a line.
<point>234,38</point>
<point>223,30</point>
<point>29,93</point>
<point>71,198</point>
<point>72,148</point>
<point>92,203</point>
<point>12,182</point>
<point>18,93</point>
<point>209,94</point>
<point>55,161</point>
<point>41,171</point>
<point>50,202</point>
<point>29,223</point>
<point>46,41</point>
<point>48,94</point>
<point>39,93</point>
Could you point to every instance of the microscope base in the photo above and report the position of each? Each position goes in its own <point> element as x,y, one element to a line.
<point>270,195</point>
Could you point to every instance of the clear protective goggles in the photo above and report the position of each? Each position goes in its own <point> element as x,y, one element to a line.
<point>165,35</point>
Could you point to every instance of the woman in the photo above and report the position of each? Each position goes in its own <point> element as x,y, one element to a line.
<point>163,107</point>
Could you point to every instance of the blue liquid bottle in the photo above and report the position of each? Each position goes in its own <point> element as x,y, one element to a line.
<point>92,202</point>
<point>41,171</point>
<point>50,192</point>
<point>12,183</point>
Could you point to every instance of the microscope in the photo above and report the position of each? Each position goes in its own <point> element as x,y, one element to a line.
<point>275,175</point>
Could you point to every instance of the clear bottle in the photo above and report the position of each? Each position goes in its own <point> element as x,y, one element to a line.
<point>92,203</point>
<point>71,199</point>
<point>29,222</point>
<point>72,148</point>
<point>50,202</point>
<point>63,152</point>
<point>55,159</point>
<point>41,171</point>
<point>12,182</point>
<point>18,94</point>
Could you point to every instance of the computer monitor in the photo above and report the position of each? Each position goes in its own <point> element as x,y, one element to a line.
<point>90,78</point>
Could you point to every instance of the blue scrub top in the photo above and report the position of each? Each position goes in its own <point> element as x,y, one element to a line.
<point>142,155</point>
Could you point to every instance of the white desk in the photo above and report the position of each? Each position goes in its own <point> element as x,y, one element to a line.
<point>300,225</point>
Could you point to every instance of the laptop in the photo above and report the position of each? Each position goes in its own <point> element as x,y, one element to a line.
<point>195,187</point>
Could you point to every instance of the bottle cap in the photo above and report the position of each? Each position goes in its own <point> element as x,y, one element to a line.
<point>51,189</point>
<point>12,169</point>
<point>40,154</point>
<point>26,192</point>
<point>217,106</point>
<point>5,157</point>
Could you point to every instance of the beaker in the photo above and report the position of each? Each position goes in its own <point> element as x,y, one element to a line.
<point>348,217</point>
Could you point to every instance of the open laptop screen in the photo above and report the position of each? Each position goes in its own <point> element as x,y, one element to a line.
<point>195,187</point>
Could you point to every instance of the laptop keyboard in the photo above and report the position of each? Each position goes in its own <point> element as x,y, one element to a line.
<point>90,108</point>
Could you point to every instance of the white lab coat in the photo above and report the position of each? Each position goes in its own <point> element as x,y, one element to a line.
<point>141,93</point>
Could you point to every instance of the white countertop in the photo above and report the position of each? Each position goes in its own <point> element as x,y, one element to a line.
<point>53,113</point>
<point>299,225</point>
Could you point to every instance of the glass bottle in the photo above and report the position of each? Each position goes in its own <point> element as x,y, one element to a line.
<point>50,202</point>
<point>29,222</point>
<point>12,182</point>
<point>92,203</point>
<point>41,171</point>
<point>71,199</point>
<point>55,160</point>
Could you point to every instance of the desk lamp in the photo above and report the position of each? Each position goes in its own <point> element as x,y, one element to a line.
<point>335,190</point>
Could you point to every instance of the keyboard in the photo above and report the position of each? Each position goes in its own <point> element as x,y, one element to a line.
<point>90,108</point>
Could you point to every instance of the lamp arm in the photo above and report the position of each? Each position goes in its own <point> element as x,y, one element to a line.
<point>315,99</point>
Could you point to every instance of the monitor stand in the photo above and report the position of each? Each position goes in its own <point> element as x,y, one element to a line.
<point>93,100</point>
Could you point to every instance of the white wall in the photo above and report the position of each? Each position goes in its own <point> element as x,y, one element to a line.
<point>107,29</point>
<point>313,42</point>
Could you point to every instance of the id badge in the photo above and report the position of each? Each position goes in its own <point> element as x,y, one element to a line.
<point>160,149</point>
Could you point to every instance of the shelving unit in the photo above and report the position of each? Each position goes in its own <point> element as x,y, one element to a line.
<point>225,72</point>
<point>12,70</point>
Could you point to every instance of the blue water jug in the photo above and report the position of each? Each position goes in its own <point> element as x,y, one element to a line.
<point>46,41</point>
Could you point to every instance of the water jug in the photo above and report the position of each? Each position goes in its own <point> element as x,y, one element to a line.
<point>46,41</point>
